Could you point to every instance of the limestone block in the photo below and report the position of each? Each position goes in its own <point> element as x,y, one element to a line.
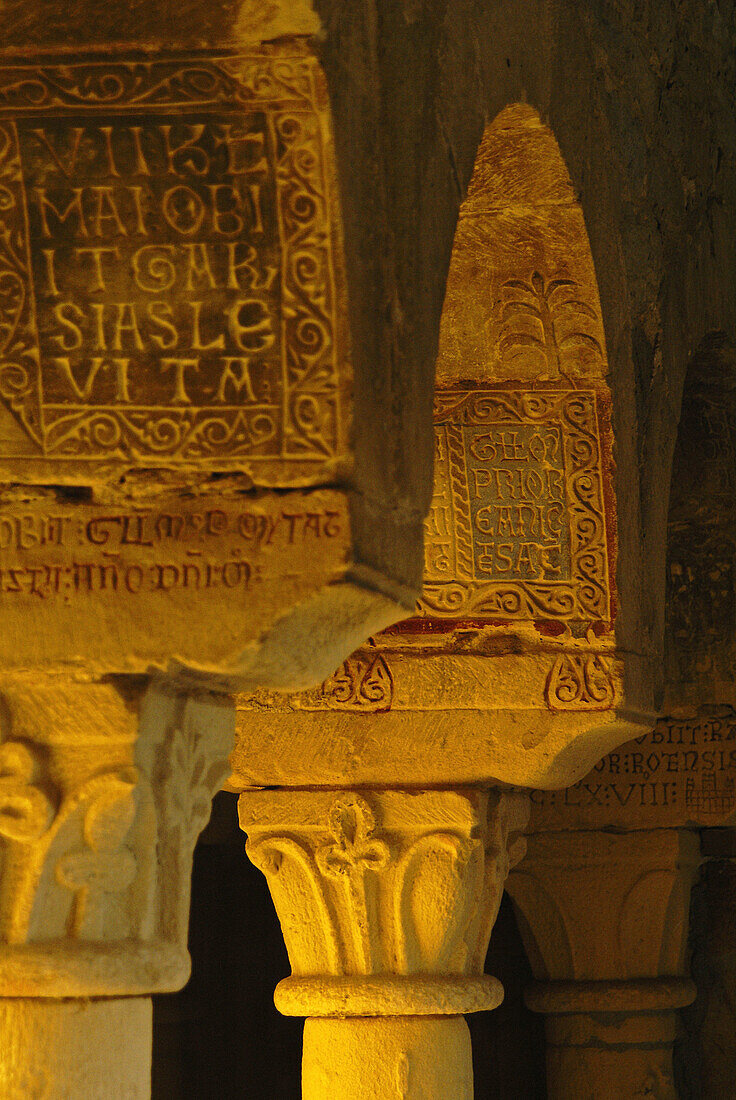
<point>514,668</point>
<point>462,707</point>
<point>175,363</point>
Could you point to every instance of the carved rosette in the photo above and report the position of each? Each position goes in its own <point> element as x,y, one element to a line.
<point>386,898</point>
<point>100,808</point>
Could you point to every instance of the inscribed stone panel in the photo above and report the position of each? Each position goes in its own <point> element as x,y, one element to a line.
<point>115,588</point>
<point>518,527</point>
<point>169,283</point>
<point>680,773</point>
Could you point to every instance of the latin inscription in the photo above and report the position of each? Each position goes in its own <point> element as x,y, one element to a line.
<point>69,555</point>
<point>153,291</point>
<point>167,285</point>
<point>683,771</point>
<point>518,508</point>
<point>517,527</point>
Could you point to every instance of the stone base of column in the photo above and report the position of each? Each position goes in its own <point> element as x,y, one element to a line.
<point>610,1040</point>
<point>85,1050</point>
<point>362,1057</point>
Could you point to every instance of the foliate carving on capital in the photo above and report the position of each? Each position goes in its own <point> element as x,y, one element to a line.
<point>384,882</point>
<point>641,931</point>
<point>64,856</point>
<point>99,814</point>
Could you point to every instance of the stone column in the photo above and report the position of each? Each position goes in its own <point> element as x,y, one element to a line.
<point>386,899</point>
<point>103,792</point>
<point>605,919</point>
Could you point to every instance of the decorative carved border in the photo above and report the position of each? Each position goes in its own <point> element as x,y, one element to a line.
<point>307,425</point>
<point>586,594</point>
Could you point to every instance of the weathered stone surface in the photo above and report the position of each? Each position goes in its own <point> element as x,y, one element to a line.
<point>604,917</point>
<point>519,528</point>
<point>628,835</point>
<point>415,710</point>
<point>173,343</point>
<point>238,585</point>
<point>90,1048</point>
<point>513,669</point>
<point>100,808</point>
<point>701,592</point>
<point>172,270</point>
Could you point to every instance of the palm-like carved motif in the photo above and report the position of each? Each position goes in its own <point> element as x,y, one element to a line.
<point>546,318</point>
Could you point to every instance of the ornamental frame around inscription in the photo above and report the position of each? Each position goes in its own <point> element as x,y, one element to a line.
<point>307,429</point>
<point>583,597</point>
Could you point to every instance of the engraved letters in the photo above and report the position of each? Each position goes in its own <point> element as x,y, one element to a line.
<point>65,556</point>
<point>167,277</point>
<point>517,528</point>
<point>683,770</point>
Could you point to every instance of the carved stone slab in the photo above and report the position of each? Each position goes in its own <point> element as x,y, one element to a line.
<point>119,587</point>
<point>169,272</point>
<point>681,773</point>
<point>519,526</point>
<point>422,714</point>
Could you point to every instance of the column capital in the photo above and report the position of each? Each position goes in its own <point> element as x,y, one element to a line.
<point>605,921</point>
<point>386,898</point>
<point>103,792</point>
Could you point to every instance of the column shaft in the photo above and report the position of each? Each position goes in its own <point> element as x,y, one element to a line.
<point>393,1056</point>
<point>75,1049</point>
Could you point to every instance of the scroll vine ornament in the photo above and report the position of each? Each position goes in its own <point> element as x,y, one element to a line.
<point>25,811</point>
<point>580,683</point>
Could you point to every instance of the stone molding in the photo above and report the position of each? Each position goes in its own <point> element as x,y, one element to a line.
<point>386,898</point>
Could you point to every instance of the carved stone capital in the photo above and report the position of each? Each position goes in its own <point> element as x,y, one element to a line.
<point>102,797</point>
<point>386,898</point>
<point>604,917</point>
